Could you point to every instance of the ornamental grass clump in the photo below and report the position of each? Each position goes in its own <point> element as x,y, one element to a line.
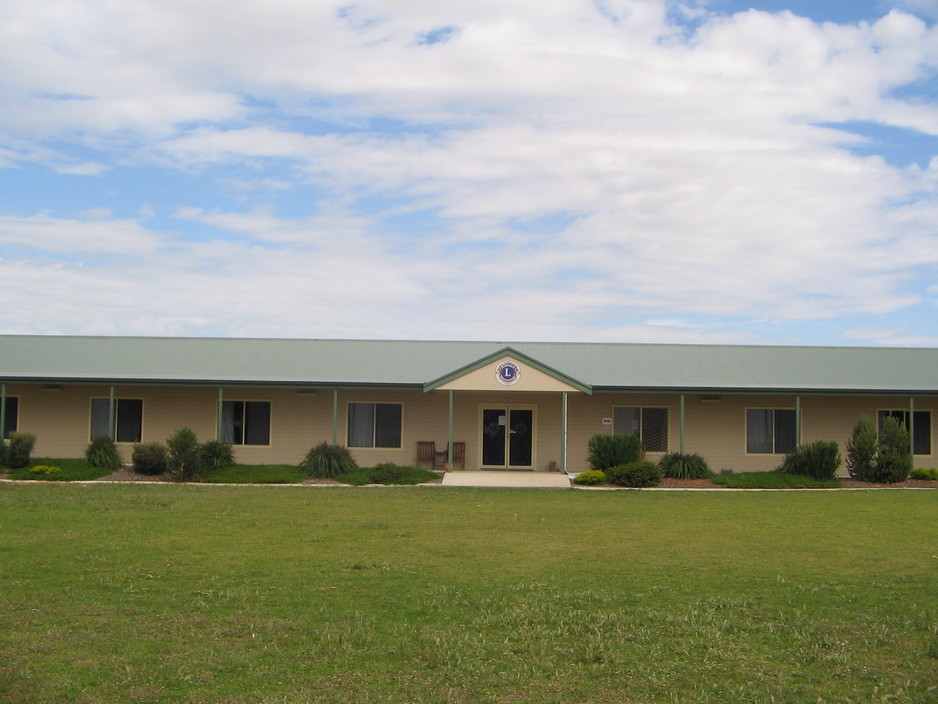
<point>327,461</point>
<point>102,453</point>
<point>605,451</point>
<point>818,460</point>
<point>216,454</point>
<point>677,465</point>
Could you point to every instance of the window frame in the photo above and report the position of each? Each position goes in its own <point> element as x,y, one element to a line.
<point>118,402</point>
<point>374,425</point>
<point>245,429</point>
<point>903,415</point>
<point>641,424</point>
<point>775,410</point>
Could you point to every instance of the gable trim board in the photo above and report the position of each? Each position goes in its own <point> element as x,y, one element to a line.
<point>706,391</point>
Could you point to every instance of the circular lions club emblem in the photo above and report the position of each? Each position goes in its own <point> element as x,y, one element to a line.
<point>507,373</point>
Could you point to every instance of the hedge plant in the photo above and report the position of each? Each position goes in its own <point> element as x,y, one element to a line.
<point>594,477</point>
<point>635,474</point>
<point>185,456</point>
<point>19,449</point>
<point>676,465</point>
<point>605,450</point>
<point>893,456</point>
<point>861,449</point>
<point>150,458</point>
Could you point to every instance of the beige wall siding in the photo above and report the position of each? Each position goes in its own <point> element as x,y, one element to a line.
<point>61,420</point>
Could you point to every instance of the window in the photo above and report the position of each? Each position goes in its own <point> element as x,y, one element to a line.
<point>11,415</point>
<point>245,422</point>
<point>128,418</point>
<point>921,430</point>
<point>649,424</point>
<point>374,425</point>
<point>770,431</point>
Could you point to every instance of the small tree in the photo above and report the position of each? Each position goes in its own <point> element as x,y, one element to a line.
<point>894,458</point>
<point>861,449</point>
<point>605,451</point>
<point>184,456</point>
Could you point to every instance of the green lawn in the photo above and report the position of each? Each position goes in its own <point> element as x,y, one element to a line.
<point>204,594</point>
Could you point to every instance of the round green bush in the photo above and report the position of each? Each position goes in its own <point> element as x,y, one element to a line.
<point>635,474</point>
<point>150,458</point>
<point>386,473</point>
<point>676,465</point>
<point>818,460</point>
<point>594,477</point>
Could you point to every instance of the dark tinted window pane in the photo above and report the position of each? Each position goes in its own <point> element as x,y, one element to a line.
<point>785,431</point>
<point>520,450</point>
<point>11,418</point>
<point>387,425</point>
<point>361,424</point>
<point>257,423</point>
<point>627,421</point>
<point>922,441</point>
<point>129,420</point>
<point>759,424</point>
<point>99,418</point>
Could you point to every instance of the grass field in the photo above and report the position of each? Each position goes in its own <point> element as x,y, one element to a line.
<point>124,593</point>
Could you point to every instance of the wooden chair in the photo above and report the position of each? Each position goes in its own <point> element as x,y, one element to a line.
<point>426,452</point>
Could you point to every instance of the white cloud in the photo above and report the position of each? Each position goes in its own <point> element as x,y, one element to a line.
<point>686,170</point>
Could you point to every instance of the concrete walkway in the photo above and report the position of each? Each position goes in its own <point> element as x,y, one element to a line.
<point>496,478</point>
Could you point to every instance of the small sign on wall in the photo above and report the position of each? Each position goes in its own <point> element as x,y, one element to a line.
<point>607,421</point>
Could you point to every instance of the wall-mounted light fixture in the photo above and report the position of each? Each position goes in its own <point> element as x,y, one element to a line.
<point>307,392</point>
<point>710,399</point>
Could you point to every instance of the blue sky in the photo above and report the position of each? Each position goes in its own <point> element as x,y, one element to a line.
<point>697,171</point>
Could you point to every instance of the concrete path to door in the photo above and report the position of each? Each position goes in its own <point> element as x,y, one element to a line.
<point>500,478</point>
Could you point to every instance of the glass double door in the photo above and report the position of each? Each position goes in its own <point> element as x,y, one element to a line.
<point>507,438</point>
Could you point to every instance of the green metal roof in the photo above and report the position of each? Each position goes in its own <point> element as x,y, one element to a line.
<point>599,366</point>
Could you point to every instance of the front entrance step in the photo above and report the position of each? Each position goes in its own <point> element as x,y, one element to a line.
<point>501,478</point>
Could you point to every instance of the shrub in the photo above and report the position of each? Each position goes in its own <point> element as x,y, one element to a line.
<point>894,456</point>
<point>386,473</point>
<point>103,453</point>
<point>682,466</point>
<point>818,460</point>
<point>861,449</point>
<point>635,474</point>
<point>928,474</point>
<point>150,458</point>
<point>19,449</point>
<point>184,456</point>
<point>594,477</point>
<point>42,470</point>
<point>327,461</point>
<point>216,454</point>
<point>607,451</point>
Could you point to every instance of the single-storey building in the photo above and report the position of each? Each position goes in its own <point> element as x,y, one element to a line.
<point>483,405</point>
